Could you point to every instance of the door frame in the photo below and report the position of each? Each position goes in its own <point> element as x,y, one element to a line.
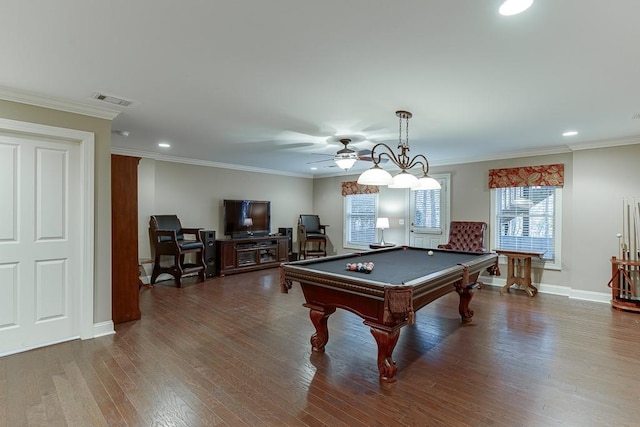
<point>445,199</point>
<point>84,323</point>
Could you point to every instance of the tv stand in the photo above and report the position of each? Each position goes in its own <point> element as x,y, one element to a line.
<point>250,253</point>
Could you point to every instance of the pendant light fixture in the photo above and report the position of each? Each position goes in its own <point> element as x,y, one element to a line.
<point>405,179</point>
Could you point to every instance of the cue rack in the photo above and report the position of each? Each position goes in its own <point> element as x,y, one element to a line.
<point>625,268</point>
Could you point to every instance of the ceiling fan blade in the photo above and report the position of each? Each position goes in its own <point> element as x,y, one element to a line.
<point>320,161</point>
<point>365,155</point>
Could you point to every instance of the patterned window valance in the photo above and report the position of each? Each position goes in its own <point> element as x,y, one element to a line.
<point>352,187</point>
<point>527,176</point>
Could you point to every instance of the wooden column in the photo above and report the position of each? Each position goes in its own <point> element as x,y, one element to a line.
<point>124,239</point>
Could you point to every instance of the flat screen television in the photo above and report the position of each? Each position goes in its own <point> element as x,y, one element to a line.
<point>244,218</point>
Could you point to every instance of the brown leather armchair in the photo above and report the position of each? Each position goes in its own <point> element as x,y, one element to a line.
<point>169,248</point>
<point>466,236</point>
<point>312,238</point>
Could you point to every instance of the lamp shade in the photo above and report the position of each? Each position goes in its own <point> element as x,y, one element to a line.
<point>345,161</point>
<point>427,183</point>
<point>382,223</point>
<point>404,180</point>
<point>375,176</point>
<point>248,222</point>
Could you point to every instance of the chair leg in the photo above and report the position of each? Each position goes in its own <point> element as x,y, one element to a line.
<point>178,260</point>
<point>156,269</point>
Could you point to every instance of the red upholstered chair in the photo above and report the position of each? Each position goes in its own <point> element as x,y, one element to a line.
<point>466,236</point>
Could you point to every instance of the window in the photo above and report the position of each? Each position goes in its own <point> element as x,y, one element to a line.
<point>427,211</point>
<point>528,219</point>
<point>360,219</point>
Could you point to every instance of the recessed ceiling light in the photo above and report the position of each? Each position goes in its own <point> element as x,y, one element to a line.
<point>570,133</point>
<point>513,7</point>
<point>313,168</point>
<point>164,145</point>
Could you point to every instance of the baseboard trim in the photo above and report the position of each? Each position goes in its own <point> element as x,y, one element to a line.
<point>103,328</point>
<point>565,291</point>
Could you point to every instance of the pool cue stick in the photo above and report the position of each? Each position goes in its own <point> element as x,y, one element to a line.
<point>627,286</point>
<point>628,230</point>
<point>635,273</point>
<point>623,249</point>
<point>622,220</point>
<point>637,237</point>
<point>634,246</point>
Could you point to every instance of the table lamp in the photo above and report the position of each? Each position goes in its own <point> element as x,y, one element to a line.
<point>248,222</point>
<point>382,223</point>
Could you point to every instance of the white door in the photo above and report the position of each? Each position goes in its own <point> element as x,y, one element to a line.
<point>41,239</point>
<point>430,215</point>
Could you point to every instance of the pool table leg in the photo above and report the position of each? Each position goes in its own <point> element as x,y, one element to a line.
<point>466,293</point>
<point>387,340</point>
<point>319,317</point>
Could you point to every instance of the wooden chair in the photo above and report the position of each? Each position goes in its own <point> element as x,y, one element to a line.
<point>170,248</point>
<point>466,236</point>
<point>312,238</point>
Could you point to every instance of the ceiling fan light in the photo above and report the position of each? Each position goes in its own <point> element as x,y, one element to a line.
<point>404,180</point>
<point>345,162</point>
<point>375,176</point>
<point>427,183</point>
<point>513,7</point>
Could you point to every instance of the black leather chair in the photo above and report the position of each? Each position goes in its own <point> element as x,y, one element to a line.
<point>312,238</point>
<point>175,250</point>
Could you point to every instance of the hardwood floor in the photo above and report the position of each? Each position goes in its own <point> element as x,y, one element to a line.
<point>235,351</point>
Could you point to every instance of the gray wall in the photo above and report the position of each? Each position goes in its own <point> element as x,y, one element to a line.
<point>195,194</point>
<point>596,181</point>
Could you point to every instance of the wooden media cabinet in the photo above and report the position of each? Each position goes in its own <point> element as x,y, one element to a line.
<point>251,253</point>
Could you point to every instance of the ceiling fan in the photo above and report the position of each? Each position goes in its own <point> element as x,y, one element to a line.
<point>345,158</point>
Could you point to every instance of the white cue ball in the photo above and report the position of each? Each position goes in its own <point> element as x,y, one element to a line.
<point>430,253</point>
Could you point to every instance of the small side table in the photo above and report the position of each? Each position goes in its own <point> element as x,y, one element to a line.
<point>519,270</point>
<point>379,246</point>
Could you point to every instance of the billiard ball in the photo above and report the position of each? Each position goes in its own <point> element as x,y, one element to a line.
<point>430,253</point>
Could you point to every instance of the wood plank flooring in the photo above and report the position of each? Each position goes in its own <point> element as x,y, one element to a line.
<point>234,351</point>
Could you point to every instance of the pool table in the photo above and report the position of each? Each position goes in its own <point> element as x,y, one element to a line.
<point>404,279</point>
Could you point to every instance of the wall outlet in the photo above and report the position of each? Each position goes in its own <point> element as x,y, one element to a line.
<point>401,222</point>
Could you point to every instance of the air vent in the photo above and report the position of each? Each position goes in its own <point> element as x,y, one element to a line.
<point>111,99</point>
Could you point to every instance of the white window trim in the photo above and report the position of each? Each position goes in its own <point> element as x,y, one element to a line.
<point>547,265</point>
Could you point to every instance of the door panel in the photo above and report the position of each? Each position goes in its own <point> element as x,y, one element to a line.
<point>39,242</point>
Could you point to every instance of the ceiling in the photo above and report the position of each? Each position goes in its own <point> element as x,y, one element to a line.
<point>272,85</point>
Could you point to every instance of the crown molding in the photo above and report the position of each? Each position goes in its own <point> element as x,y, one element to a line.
<point>605,143</point>
<point>38,100</point>
<point>197,162</point>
